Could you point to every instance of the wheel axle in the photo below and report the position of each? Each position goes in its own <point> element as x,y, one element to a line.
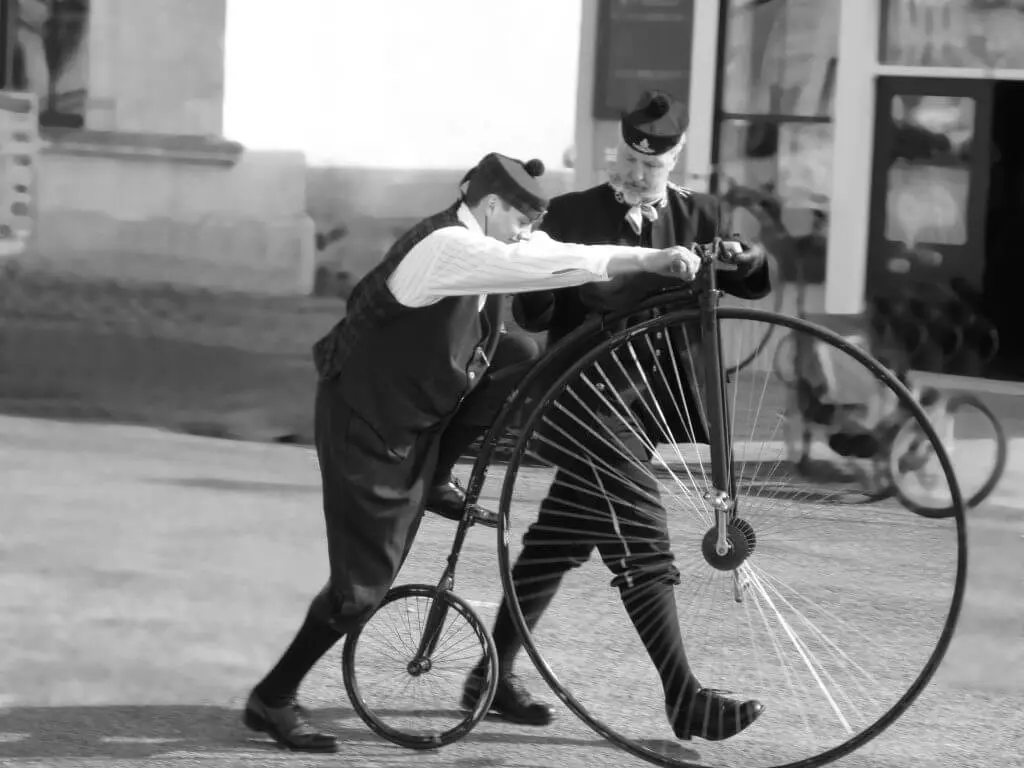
<point>741,539</point>
<point>419,666</point>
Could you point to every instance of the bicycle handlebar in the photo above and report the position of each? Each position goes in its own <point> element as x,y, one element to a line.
<point>714,254</point>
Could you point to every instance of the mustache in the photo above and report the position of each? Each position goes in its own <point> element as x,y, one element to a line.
<point>619,182</point>
<point>631,193</point>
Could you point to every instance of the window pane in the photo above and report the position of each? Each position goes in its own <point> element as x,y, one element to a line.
<point>783,173</point>
<point>929,178</point>
<point>953,33</point>
<point>780,56</point>
<point>51,57</point>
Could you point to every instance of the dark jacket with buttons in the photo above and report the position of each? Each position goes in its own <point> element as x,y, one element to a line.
<point>595,216</point>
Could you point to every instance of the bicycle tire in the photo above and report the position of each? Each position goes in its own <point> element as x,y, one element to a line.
<point>823,335</point>
<point>984,337</point>
<point>955,403</point>
<point>781,350</point>
<point>897,326</point>
<point>470,718</point>
<point>941,333</point>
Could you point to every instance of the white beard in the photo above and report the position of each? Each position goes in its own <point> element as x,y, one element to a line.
<point>629,197</point>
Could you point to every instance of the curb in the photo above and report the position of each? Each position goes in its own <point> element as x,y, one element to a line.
<point>977,385</point>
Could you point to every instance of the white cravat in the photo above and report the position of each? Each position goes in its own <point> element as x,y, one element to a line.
<point>645,209</point>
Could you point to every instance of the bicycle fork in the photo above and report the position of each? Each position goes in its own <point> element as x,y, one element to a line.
<point>722,495</point>
<point>432,628</point>
<point>730,540</point>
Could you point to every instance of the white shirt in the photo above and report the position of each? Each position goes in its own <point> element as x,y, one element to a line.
<point>463,261</point>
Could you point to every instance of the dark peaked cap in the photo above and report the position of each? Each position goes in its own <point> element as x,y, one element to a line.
<point>513,181</point>
<point>656,124</point>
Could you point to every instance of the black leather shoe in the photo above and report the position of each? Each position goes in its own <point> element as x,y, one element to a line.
<point>711,715</point>
<point>288,725</point>
<point>512,702</point>
<point>864,445</point>
<point>448,500</point>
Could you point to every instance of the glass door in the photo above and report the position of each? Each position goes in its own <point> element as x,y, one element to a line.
<point>930,182</point>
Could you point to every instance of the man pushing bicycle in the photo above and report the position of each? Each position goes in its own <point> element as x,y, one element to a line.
<point>602,497</point>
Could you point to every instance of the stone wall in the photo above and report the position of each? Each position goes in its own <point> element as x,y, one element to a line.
<point>149,190</point>
<point>156,66</point>
<point>231,225</point>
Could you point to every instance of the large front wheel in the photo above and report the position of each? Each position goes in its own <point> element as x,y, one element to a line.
<point>834,616</point>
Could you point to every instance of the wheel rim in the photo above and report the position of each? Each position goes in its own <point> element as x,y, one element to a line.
<point>408,700</point>
<point>976,444</point>
<point>559,673</point>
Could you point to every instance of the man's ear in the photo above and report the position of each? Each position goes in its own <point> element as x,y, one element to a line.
<point>677,152</point>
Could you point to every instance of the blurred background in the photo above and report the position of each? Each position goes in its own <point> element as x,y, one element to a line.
<point>190,188</point>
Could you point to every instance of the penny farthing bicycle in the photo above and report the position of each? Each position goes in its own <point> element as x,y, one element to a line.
<point>836,617</point>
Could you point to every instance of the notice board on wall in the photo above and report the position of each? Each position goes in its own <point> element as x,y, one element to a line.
<point>641,44</point>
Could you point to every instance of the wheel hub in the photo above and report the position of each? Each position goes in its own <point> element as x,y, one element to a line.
<point>418,667</point>
<point>742,542</point>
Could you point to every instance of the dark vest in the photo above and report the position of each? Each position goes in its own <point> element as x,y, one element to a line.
<point>404,369</point>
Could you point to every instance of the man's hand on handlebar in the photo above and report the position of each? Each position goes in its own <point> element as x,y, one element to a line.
<point>685,263</point>
<point>740,256</point>
<point>676,261</point>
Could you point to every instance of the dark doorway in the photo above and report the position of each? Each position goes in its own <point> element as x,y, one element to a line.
<point>8,27</point>
<point>929,210</point>
<point>1004,252</point>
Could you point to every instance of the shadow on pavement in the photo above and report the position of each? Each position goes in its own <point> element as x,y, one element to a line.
<point>138,732</point>
<point>241,486</point>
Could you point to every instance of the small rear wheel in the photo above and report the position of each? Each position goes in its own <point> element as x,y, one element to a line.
<point>404,670</point>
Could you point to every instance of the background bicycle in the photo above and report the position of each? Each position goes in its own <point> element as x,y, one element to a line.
<point>929,328</point>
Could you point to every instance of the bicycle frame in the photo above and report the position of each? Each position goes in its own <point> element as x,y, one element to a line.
<point>438,609</point>
<point>723,497</point>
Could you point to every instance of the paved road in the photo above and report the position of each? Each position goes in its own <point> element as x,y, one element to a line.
<point>147,579</point>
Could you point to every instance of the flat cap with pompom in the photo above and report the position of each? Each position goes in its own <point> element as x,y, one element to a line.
<point>512,180</point>
<point>656,123</point>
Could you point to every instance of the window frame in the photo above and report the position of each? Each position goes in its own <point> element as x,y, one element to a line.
<point>721,116</point>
